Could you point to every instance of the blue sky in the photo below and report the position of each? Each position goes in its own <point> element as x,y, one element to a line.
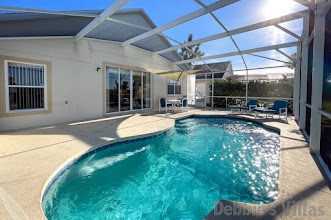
<point>237,15</point>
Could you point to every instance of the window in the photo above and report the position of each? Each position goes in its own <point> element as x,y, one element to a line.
<point>174,87</point>
<point>326,98</point>
<point>127,90</point>
<point>25,87</point>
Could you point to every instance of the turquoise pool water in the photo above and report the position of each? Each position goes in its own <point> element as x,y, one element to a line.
<point>178,175</point>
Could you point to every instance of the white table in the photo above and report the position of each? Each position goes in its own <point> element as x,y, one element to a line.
<point>173,102</point>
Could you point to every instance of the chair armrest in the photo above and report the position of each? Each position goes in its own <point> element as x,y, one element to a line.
<point>280,110</point>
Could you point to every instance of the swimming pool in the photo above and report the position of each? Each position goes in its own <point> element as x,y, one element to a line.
<point>180,174</point>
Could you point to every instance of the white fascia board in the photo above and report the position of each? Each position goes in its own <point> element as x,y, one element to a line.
<point>248,28</point>
<point>99,19</point>
<point>255,50</point>
<point>69,14</point>
<point>39,11</point>
<point>36,38</point>
<point>181,20</point>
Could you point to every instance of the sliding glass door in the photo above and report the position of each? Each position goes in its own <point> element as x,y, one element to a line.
<point>136,90</point>
<point>127,90</point>
<point>147,89</point>
<point>112,84</point>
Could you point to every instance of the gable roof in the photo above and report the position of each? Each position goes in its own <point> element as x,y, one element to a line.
<point>40,25</point>
<point>219,67</point>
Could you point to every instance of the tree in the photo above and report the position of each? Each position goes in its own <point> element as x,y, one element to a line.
<point>291,63</point>
<point>186,52</point>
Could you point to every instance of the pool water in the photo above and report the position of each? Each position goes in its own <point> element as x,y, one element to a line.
<point>178,175</point>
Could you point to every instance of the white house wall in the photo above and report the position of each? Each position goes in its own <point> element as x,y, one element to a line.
<point>229,71</point>
<point>75,79</point>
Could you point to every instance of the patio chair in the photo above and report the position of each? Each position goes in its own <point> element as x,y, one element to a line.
<point>182,105</point>
<point>163,104</point>
<point>279,108</point>
<point>251,104</point>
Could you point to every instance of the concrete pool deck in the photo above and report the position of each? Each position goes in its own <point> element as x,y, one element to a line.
<point>29,157</point>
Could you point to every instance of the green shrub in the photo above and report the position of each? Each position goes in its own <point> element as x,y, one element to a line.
<point>228,87</point>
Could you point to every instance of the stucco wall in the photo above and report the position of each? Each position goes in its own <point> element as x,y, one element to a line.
<point>74,76</point>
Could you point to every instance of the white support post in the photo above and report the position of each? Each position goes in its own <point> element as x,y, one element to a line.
<point>248,28</point>
<point>206,90</point>
<point>268,58</point>
<point>306,3</point>
<point>246,87</point>
<point>284,54</point>
<point>103,16</point>
<point>327,7</point>
<point>212,90</point>
<point>260,68</point>
<point>304,72</point>
<point>311,37</point>
<point>317,77</point>
<point>260,49</point>
<point>181,20</point>
<point>296,90</point>
<point>288,31</point>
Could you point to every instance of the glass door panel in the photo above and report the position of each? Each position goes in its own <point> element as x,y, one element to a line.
<point>326,98</point>
<point>112,89</point>
<point>136,89</point>
<point>124,89</point>
<point>147,90</point>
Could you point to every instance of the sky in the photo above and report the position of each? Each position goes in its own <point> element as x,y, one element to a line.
<point>239,14</point>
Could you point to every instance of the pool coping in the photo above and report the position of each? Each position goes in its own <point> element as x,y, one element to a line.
<point>97,148</point>
<point>119,141</point>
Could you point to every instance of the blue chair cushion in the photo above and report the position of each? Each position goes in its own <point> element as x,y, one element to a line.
<point>236,107</point>
<point>185,102</point>
<point>252,102</point>
<point>279,104</point>
<point>163,102</point>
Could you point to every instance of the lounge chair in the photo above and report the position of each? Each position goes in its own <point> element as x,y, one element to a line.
<point>251,104</point>
<point>279,108</point>
<point>182,105</point>
<point>163,104</point>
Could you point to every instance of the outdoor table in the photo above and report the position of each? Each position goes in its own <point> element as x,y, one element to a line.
<point>268,112</point>
<point>173,102</point>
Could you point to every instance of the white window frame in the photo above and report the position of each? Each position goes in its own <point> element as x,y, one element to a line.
<point>6,66</point>
<point>181,88</point>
